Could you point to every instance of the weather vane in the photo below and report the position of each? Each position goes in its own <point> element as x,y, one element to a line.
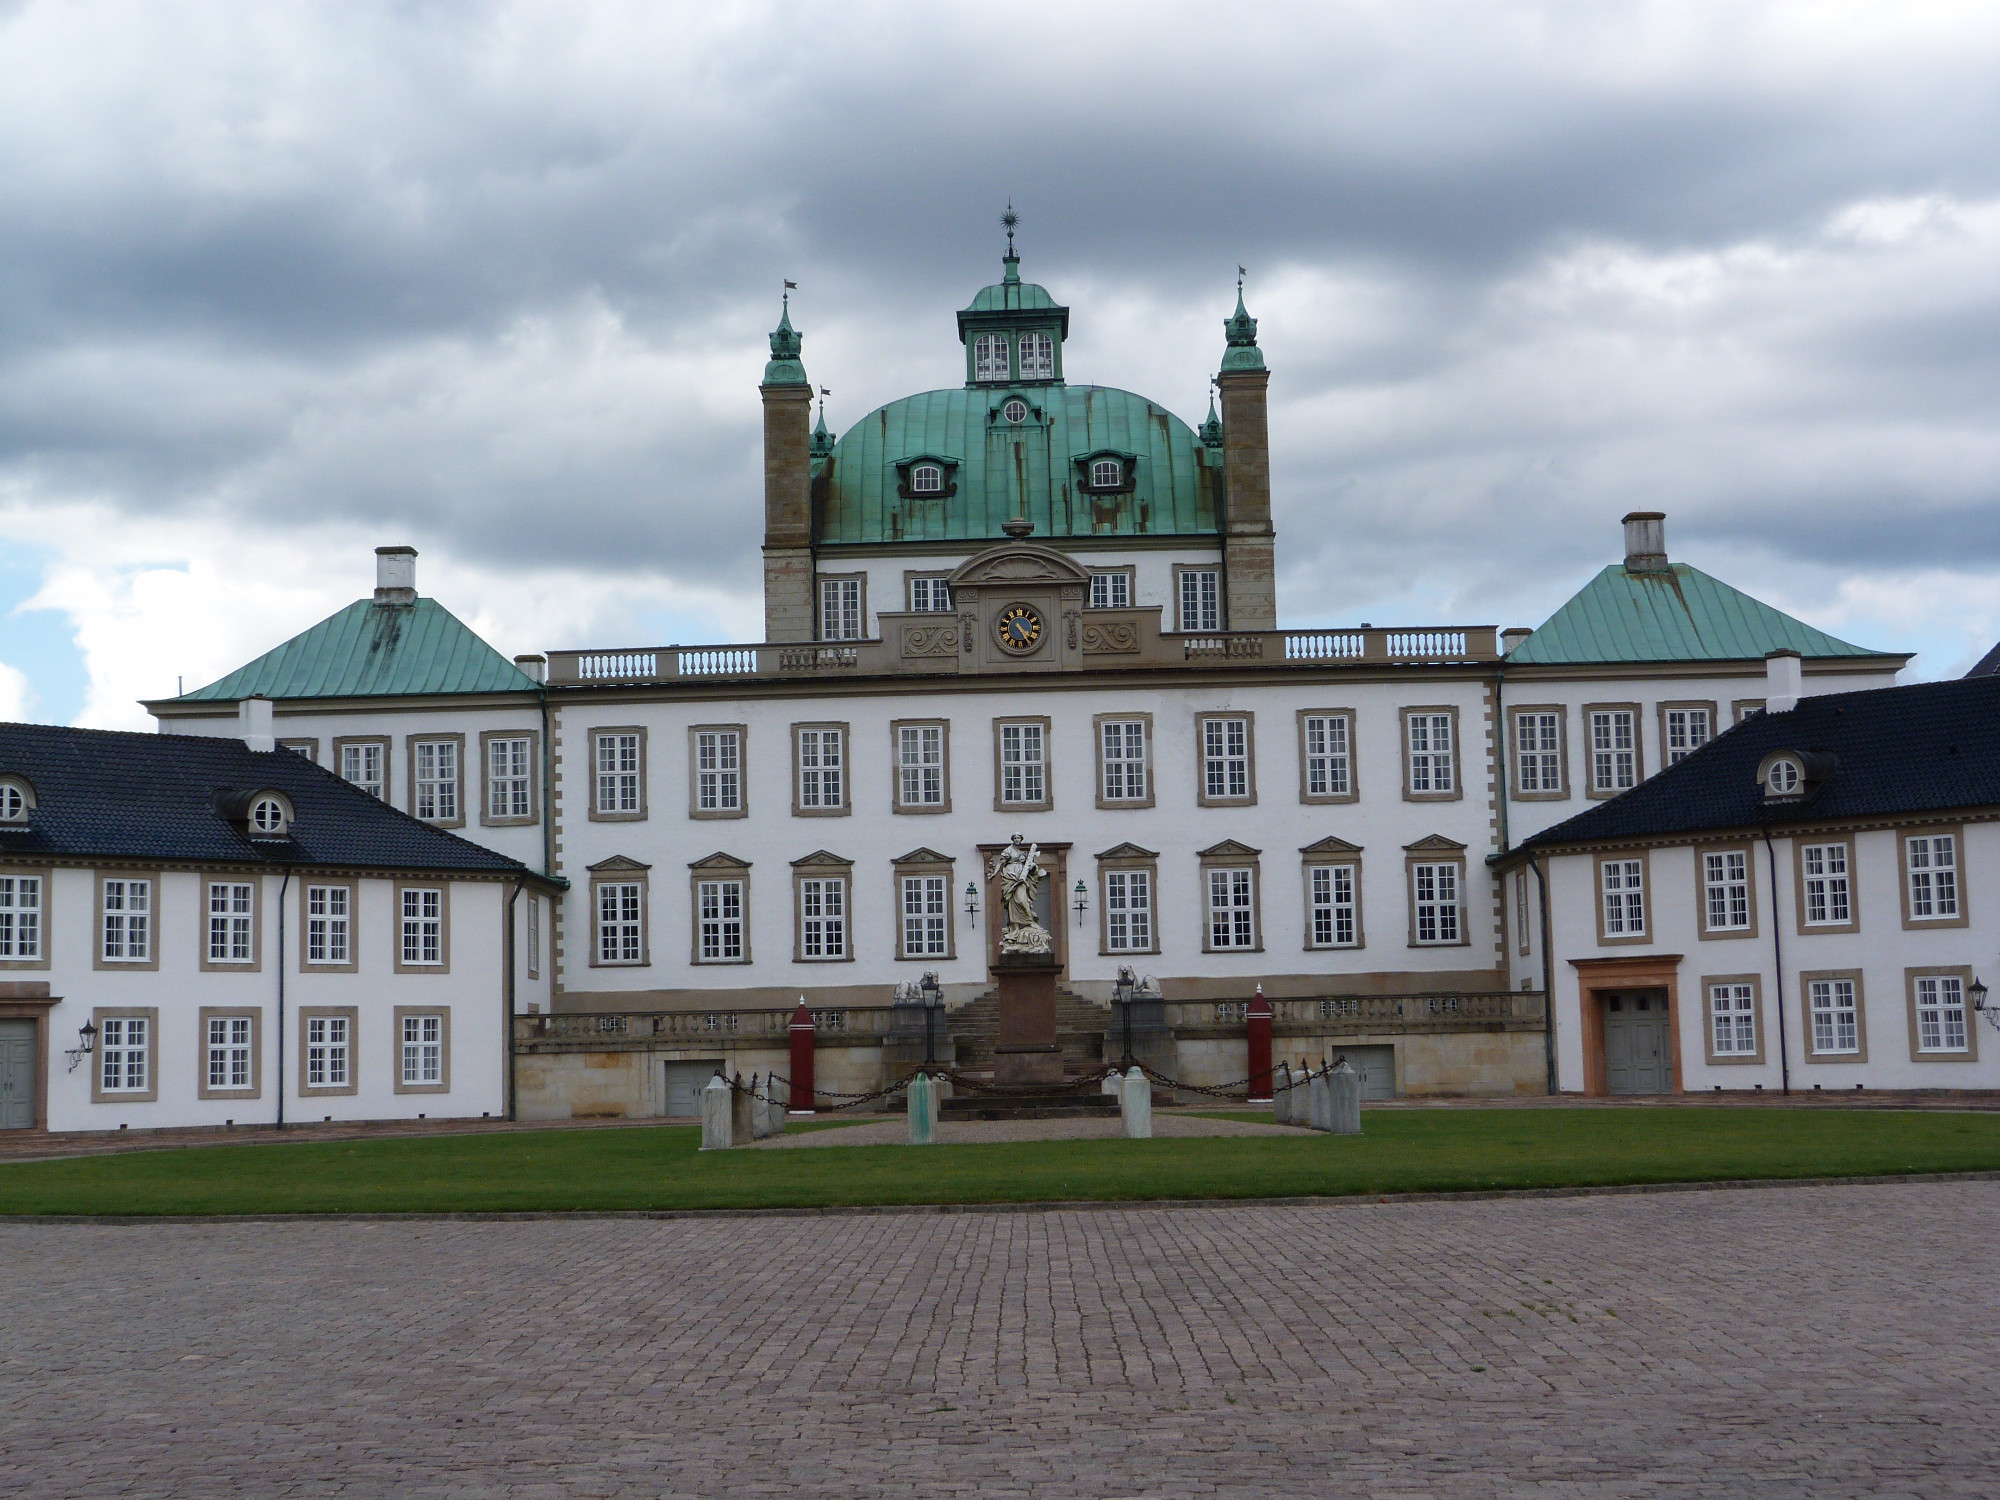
<point>1240,274</point>
<point>1007,221</point>
<point>790,287</point>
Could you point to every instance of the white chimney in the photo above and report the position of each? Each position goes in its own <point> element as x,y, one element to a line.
<point>253,723</point>
<point>1514,637</point>
<point>1646,542</point>
<point>1784,680</point>
<point>536,667</point>
<point>395,575</point>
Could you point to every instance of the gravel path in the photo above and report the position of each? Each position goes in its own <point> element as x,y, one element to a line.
<point>895,1130</point>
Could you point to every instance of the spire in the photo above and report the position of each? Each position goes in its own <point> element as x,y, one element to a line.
<point>1241,331</point>
<point>1211,431</point>
<point>1010,262</point>
<point>822,439</point>
<point>784,368</point>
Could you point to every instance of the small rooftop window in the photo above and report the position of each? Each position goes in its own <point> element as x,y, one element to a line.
<point>1015,410</point>
<point>17,800</point>
<point>267,816</point>
<point>1794,775</point>
<point>989,357</point>
<point>927,479</point>
<point>263,814</point>
<point>1783,778</point>
<point>1107,474</point>
<point>1038,357</point>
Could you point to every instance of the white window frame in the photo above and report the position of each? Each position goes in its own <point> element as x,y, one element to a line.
<point>1225,758</point>
<point>510,769</point>
<point>920,767</point>
<point>1829,1002</point>
<point>1200,600</point>
<point>1930,874</point>
<point>718,771</point>
<point>365,763</point>
<point>420,926</point>
<point>1538,768</point>
<point>1431,739</point>
<point>1231,908</point>
<point>125,1053</point>
<point>1128,910</point>
<point>1621,889</point>
<point>1124,761</point>
<point>992,357</point>
<point>923,907</point>
<point>21,918</point>
<point>1038,357</point>
<point>621,923</point>
<point>434,777</point>
<point>1725,889</point>
<point>421,1042</point>
<point>1328,749</point>
<point>329,1051</point>
<point>930,595</point>
<point>618,757</point>
<point>1732,1019</point>
<point>927,479</point>
<point>1024,763</point>
<point>822,767</point>
<point>1333,905</point>
<point>823,918</point>
<point>1435,917</point>
<point>226,1045</point>
<point>840,613</point>
<point>1686,728</point>
<point>722,920</point>
<point>1107,473</point>
<point>231,907</point>
<point>1111,590</point>
<point>1826,885</point>
<point>1943,1021</point>
<point>1614,750</point>
<point>125,921</point>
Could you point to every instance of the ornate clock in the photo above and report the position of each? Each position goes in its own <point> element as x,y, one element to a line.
<point>1019,628</point>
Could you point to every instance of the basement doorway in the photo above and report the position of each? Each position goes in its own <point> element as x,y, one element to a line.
<point>684,1083</point>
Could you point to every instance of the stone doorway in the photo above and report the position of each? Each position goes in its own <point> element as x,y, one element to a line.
<point>1638,1044</point>
<point>1628,1016</point>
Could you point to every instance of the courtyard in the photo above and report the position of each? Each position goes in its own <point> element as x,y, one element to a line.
<point>1784,1341</point>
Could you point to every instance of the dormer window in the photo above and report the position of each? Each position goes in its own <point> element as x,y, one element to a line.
<point>1015,410</point>
<point>989,357</point>
<point>1106,474</point>
<point>17,800</point>
<point>927,479</point>
<point>1038,357</point>
<point>926,476</point>
<point>1783,778</point>
<point>1794,775</point>
<point>267,816</point>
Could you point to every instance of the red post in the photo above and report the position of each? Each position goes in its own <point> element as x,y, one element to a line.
<point>802,1059</point>
<point>1260,1048</point>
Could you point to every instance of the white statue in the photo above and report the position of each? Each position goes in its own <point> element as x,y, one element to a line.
<point>1019,870</point>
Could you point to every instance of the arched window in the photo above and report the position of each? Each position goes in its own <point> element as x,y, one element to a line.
<point>1038,357</point>
<point>927,479</point>
<point>989,357</point>
<point>1106,474</point>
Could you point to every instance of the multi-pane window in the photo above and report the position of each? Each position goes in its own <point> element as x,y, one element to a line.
<point>534,937</point>
<point>1225,759</point>
<point>1106,473</point>
<point>128,921</point>
<point>1024,770</point>
<point>229,1052</point>
<point>362,765</point>
<point>1201,599</point>
<point>840,609</point>
<point>509,788</point>
<point>1932,864</point>
<point>927,479</point>
<point>926,916</point>
<point>423,1050</point>
<point>1688,729</point>
<point>1836,1023</point>
<point>1941,1013</point>
<point>718,770</point>
<point>930,595</point>
<point>1330,903</point>
<point>20,917</point>
<point>1038,357</point>
<point>823,917</point>
<point>437,780</point>
<point>1622,884</point>
<point>1614,753</point>
<point>123,1049</point>
<point>989,357</point>
<point>1110,590</point>
<point>1123,746</point>
<point>1725,890</point>
<point>1232,909</point>
<point>1538,753</point>
<point>719,921</point>
<point>1828,900</point>
<point>1431,760</point>
<point>1128,911</point>
<point>423,925</point>
<point>329,1052</point>
<point>621,922</point>
<point>920,765</point>
<point>1521,935</point>
<point>1329,764</point>
<point>822,769</point>
<point>231,907</point>
<point>618,773</point>
<point>1732,1019</point>
<point>1434,893</point>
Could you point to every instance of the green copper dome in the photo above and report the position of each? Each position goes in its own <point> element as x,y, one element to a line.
<point>1012,294</point>
<point>1040,467</point>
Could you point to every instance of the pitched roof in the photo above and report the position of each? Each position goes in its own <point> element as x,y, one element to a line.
<point>374,650</point>
<point>1930,748</point>
<point>1677,614</point>
<point>1987,665</point>
<point>106,793</point>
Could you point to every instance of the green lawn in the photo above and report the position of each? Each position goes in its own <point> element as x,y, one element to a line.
<point>640,1168</point>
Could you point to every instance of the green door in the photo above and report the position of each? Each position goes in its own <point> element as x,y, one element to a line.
<point>1638,1057</point>
<point>17,1075</point>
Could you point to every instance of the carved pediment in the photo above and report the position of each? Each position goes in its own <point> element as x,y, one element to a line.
<point>1229,849</point>
<point>618,864</point>
<point>1128,851</point>
<point>820,859</point>
<point>1434,843</point>
<point>1330,845</point>
<point>719,861</point>
<point>1018,562</point>
<point>922,856</point>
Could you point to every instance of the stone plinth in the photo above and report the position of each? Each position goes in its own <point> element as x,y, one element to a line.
<point>1027,1051</point>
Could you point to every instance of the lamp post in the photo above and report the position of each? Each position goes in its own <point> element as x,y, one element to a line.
<point>1121,995</point>
<point>1080,900</point>
<point>933,994</point>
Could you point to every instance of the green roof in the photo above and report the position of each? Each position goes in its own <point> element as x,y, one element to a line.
<point>998,469</point>
<point>1013,296</point>
<point>372,650</point>
<point>1677,614</point>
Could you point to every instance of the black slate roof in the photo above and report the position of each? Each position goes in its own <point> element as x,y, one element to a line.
<point>103,793</point>
<point>1987,665</point>
<point>1930,748</point>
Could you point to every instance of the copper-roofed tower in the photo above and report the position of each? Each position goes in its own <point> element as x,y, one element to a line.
<point>788,565</point>
<point>1248,565</point>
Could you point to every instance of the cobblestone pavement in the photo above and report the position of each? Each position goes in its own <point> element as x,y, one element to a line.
<point>1784,1342</point>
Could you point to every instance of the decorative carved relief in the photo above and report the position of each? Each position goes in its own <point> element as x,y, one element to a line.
<point>930,640</point>
<point>1069,619</point>
<point>1111,637</point>
<point>967,624</point>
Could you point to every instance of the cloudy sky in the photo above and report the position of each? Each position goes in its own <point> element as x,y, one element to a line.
<point>283,282</point>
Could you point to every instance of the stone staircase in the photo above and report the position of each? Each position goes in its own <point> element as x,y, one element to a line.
<point>1080,1026</point>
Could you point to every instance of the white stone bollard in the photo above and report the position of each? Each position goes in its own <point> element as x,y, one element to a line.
<point>1281,1094</point>
<point>1344,1100</point>
<point>776,1097</point>
<point>743,1113</point>
<point>1321,1117</point>
<point>1114,1085</point>
<point>718,1115</point>
<point>760,1114</point>
<point>1135,1105</point>
<point>921,1099</point>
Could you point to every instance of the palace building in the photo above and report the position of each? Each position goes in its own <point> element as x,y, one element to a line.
<point>1028,604</point>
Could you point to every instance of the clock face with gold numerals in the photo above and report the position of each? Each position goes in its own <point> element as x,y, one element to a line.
<point>1019,627</point>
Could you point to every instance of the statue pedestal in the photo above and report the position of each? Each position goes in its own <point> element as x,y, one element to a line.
<point>1028,1051</point>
